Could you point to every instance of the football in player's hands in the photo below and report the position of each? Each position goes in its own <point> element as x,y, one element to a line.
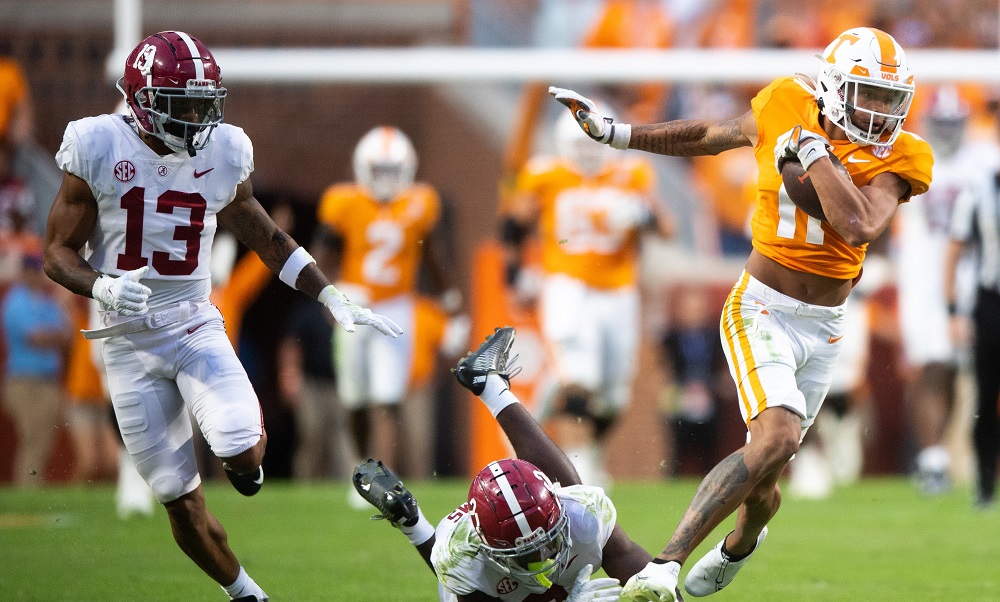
<point>799,186</point>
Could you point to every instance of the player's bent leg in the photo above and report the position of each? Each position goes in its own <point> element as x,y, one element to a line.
<point>200,535</point>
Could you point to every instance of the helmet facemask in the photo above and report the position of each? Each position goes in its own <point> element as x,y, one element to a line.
<point>865,86</point>
<point>183,119</point>
<point>535,557</point>
<point>869,114</point>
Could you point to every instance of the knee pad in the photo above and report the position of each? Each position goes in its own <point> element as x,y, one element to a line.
<point>166,488</point>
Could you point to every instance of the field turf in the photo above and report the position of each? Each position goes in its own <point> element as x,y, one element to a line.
<point>878,541</point>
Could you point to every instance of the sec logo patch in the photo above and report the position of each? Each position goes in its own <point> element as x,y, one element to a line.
<point>506,586</point>
<point>124,171</point>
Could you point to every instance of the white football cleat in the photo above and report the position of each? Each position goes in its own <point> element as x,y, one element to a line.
<point>715,571</point>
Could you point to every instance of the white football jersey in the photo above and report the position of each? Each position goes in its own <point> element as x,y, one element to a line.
<point>156,211</point>
<point>922,238</point>
<point>462,569</point>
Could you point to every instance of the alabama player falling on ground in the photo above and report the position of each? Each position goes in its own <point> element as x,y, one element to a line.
<point>783,322</point>
<point>529,530</point>
<point>587,209</point>
<point>132,226</point>
<point>373,234</point>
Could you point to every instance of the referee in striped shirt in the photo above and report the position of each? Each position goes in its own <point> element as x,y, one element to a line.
<point>976,226</point>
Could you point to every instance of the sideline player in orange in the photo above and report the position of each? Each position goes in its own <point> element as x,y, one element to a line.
<point>587,209</point>
<point>783,322</point>
<point>373,234</point>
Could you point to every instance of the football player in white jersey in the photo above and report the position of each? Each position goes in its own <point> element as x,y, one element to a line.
<point>922,239</point>
<point>529,530</point>
<point>132,226</point>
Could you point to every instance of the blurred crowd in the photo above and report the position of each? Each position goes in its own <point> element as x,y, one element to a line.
<point>330,410</point>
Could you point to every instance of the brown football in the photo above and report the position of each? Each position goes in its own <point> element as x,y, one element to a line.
<point>800,189</point>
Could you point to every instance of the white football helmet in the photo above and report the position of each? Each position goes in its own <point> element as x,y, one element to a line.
<point>946,119</point>
<point>865,85</point>
<point>385,163</point>
<point>574,145</point>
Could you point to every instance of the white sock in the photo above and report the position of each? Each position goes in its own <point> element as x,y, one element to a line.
<point>420,532</point>
<point>244,586</point>
<point>497,396</point>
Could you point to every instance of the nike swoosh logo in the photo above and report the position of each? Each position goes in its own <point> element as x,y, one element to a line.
<point>198,174</point>
<point>834,339</point>
<point>259,480</point>
<point>193,330</point>
<point>853,159</point>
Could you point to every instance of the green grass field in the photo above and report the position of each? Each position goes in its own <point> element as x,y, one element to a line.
<point>879,540</point>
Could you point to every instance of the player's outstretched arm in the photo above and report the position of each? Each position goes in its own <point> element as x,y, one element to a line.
<point>252,226</point>
<point>681,138</point>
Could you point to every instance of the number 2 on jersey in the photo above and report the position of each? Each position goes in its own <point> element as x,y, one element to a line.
<point>385,240</point>
<point>133,202</point>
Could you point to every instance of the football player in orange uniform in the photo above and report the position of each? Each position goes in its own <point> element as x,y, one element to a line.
<point>374,233</point>
<point>588,210</point>
<point>783,322</point>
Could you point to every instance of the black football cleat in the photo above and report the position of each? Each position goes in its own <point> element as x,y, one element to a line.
<point>247,484</point>
<point>381,488</point>
<point>489,358</point>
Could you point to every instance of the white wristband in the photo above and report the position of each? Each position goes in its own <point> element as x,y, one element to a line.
<point>811,151</point>
<point>621,133</point>
<point>299,259</point>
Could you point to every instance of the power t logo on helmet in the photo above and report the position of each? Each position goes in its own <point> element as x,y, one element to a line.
<point>173,88</point>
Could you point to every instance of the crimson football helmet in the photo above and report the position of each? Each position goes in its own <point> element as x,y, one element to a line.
<point>385,163</point>
<point>865,85</point>
<point>173,88</point>
<point>520,520</point>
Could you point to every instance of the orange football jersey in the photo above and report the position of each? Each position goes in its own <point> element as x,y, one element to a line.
<point>382,249</point>
<point>786,234</point>
<point>580,225</point>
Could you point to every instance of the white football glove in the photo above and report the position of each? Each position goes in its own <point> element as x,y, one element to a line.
<point>600,128</point>
<point>604,589</point>
<point>802,144</point>
<point>123,294</point>
<point>654,583</point>
<point>348,313</point>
